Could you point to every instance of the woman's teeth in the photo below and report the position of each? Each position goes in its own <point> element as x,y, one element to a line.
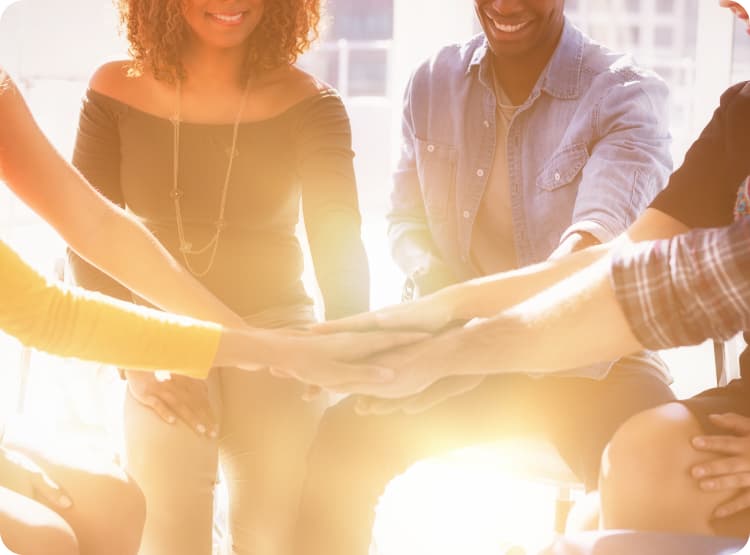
<point>227,18</point>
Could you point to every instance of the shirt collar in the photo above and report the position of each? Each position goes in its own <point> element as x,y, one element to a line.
<point>562,76</point>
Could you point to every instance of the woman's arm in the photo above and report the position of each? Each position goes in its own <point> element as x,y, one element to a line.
<point>72,322</point>
<point>91,224</point>
<point>69,321</point>
<point>330,208</point>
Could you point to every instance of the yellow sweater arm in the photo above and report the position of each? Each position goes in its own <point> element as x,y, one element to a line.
<point>72,322</point>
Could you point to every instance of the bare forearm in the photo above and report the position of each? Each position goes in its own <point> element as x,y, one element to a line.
<point>90,224</point>
<point>143,265</point>
<point>575,323</point>
<point>487,296</point>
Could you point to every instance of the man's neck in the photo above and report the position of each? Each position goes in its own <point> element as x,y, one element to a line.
<point>517,75</point>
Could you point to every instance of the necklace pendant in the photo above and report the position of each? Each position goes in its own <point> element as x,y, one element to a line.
<point>185,248</point>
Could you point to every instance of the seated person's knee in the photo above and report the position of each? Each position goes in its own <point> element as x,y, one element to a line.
<point>645,447</point>
<point>117,527</point>
<point>109,509</point>
<point>29,528</point>
<point>645,471</point>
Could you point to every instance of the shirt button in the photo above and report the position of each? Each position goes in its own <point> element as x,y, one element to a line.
<point>486,124</point>
<point>467,214</point>
<point>557,176</point>
<point>430,148</point>
<point>480,172</point>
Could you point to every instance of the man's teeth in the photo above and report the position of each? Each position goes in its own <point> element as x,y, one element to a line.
<point>510,28</point>
<point>227,18</point>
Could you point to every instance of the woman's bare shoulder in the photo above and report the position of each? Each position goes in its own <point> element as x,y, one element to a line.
<point>118,80</point>
<point>306,82</point>
<point>292,85</point>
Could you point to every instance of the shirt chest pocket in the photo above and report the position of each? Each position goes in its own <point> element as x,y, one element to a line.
<point>436,167</point>
<point>563,168</point>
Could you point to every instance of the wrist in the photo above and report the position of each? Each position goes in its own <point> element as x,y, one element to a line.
<point>462,300</point>
<point>450,302</point>
<point>247,348</point>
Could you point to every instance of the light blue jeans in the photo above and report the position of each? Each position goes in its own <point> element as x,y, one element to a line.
<point>265,432</point>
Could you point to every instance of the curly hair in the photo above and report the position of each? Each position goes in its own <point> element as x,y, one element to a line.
<point>156,32</point>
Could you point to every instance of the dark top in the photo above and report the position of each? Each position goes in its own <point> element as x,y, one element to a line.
<point>704,191</point>
<point>303,153</point>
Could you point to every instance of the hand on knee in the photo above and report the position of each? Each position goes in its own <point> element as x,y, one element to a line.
<point>29,528</point>
<point>645,481</point>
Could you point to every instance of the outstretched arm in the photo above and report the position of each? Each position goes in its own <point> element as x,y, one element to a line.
<point>88,222</point>
<point>655,294</point>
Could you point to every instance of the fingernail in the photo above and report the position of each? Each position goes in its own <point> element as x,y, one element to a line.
<point>720,513</point>
<point>170,419</point>
<point>708,484</point>
<point>201,429</point>
<point>213,433</point>
<point>699,471</point>
<point>65,502</point>
<point>699,442</point>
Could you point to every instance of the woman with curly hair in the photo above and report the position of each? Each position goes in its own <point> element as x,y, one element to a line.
<point>213,137</point>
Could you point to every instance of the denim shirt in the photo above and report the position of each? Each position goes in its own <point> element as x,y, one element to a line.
<point>587,151</point>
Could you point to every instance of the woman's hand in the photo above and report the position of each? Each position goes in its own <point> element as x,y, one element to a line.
<point>22,475</point>
<point>730,471</point>
<point>175,396</point>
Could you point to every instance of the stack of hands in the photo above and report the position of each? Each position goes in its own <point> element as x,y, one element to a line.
<point>394,359</point>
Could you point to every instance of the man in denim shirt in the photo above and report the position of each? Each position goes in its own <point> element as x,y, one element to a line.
<point>527,142</point>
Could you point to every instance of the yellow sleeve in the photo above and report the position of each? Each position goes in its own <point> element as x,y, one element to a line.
<point>72,322</point>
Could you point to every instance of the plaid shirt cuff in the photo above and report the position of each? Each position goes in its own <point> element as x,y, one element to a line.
<point>687,289</point>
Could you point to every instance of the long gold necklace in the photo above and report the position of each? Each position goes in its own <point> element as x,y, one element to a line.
<point>186,247</point>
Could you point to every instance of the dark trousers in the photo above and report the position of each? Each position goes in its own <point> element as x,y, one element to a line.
<point>354,457</point>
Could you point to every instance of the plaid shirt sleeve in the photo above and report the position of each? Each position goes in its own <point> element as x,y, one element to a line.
<point>687,289</point>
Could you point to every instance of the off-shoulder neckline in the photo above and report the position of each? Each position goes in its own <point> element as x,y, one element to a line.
<point>323,93</point>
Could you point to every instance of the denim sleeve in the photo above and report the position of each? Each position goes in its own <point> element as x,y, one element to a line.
<point>408,231</point>
<point>630,160</point>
